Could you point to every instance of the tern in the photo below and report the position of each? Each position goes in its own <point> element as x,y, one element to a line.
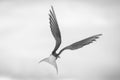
<point>57,35</point>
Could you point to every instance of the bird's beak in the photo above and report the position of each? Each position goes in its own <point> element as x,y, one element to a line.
<point>51,60</point>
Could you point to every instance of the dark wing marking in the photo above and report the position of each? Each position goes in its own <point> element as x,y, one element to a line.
<point>81,43</point>
<point>54,29</point>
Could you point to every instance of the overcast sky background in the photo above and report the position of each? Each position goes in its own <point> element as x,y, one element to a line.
<point>25,39</point>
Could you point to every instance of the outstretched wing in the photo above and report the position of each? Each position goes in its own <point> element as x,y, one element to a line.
<point>54,28</point>
<point>81,43</point>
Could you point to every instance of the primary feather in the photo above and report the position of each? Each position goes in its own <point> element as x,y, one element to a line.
<point>54,29</point>
<point>81,43</point>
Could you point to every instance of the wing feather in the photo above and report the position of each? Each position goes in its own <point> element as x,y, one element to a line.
<point>54,28</point>
<point>81,43</point>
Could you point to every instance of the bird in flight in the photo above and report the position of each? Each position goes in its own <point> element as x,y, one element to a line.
<point>57,35</point>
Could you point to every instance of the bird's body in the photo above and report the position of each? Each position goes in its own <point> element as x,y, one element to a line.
<point>57,35</point>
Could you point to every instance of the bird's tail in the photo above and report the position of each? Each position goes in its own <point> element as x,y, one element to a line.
<point>51,60</point>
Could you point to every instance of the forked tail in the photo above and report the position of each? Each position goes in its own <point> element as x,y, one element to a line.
<point>51,60</point>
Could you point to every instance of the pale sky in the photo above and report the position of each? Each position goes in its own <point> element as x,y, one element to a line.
<point>25,39</point>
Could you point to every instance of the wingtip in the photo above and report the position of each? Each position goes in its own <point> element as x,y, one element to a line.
<point>100,34</point>
<point>97,36</point>
<point>51,8</point>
